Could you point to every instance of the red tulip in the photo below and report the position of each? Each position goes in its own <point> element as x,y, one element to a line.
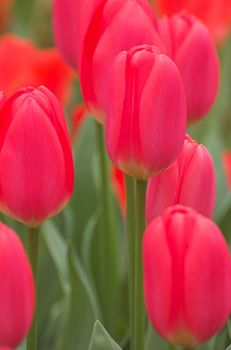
<point>187,269</point>
<point>190,181</point>
<point>78,116</point>
<point>216,14</point>
<point>66,16</point>
<point>227,166</point>
<point>145,125</point>
<point>5,12</point>
<point>17,292</point>
<point>111,29</point>
<point>33,67</point>
<point>36,165</point>
<point>189,44</point>
<point>118,183</point>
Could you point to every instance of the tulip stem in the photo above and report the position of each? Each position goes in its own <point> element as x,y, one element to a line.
<point>139,309</point>
<point>130,227</point>
<point>108,244</point>
<point>33,248</point>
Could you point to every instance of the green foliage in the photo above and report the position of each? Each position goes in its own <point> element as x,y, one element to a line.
<point>101,340</point>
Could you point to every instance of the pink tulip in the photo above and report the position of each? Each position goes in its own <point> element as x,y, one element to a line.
<point>190,181</point>
<point>216,14</point>
<point>189,44</point>
<point>17,292</point>
<point>187,284</point>
<point>36,165</point>
<point>145,125</point>
<point>66,17</point>
<point>114,26</point>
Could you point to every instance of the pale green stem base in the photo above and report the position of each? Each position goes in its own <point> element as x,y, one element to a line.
<point>33,249</point>
<point>139,308</point>
<point>130,227</point>
<point>108,244</point>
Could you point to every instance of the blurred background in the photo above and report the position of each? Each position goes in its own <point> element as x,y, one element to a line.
<point>69,259</point>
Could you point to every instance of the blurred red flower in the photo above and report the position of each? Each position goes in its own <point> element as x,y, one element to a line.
<point>78,116</point>
<point>23,64</point>
<point>5,11</point>
<point>216,14</point>
<point>118,184</point>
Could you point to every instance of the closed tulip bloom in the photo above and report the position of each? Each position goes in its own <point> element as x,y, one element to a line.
<point>216,14</point>
<point>36,165</point>
<point>145,124</point>
<point>226,160</point>
<point>190,181</point>
<point>17,292</point>
<point>66,15</point>
<point>189,44</point>
<point>187,269</point>
<point>111,29</point>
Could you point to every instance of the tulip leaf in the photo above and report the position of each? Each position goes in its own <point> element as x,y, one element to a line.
<point>229,347</point>
<point>101,340</point>
<point>82,308</point>
<point>58,250</point>
<point>87,239</point>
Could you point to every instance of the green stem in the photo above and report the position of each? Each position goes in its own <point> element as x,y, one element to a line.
<point>108,239</point>
<point>130,226</point>
<point>171,346</point>
<point>33,249</point>
<point>139,309</point>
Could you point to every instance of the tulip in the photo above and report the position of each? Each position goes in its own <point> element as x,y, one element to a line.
<point>226,158</point>
<point>78,117</point>
<point>145,124</point>
<point>6,7</point>
<point>33,67</point>
<point>189,44</point>
<point>187,269</point>
<point>118,185</point>
<point>66,28</point>
<point>190,181</point>
<point>36,165</point>
<point>111,29</point>
<point>17,292</point>
<point>216,14</point>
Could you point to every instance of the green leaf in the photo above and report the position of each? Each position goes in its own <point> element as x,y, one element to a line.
<point>82,309</point>
<point>58,250</point>
<point>101,340</point>
<point>229,347</point>
<point>87,239</point>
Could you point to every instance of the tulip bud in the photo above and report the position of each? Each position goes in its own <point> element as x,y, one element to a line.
<point>36,165</point>
<point>66,16</point>
<point>111,29</point>
<point>187,269</point>
<point>216,14</point>
<point>226,160</point>
<point>189,44</point>
<point>17,292</point>
<point>190,181</point>
<point>145,125</point>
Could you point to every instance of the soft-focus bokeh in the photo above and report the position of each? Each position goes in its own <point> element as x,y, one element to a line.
<point>70,252</point>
